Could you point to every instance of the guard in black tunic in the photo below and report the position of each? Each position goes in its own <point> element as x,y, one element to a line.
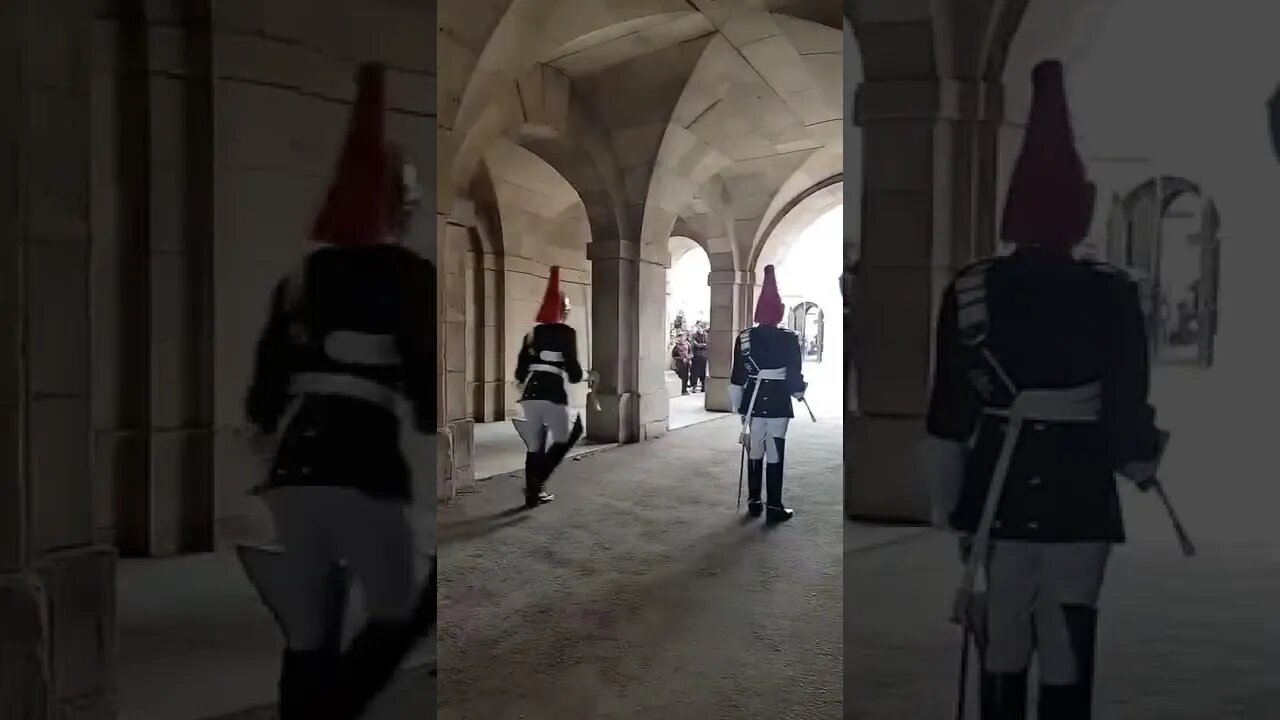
<point>766,377</point>
<point>1039,400</point>
<point>547,365</point>
<point>350,335</point>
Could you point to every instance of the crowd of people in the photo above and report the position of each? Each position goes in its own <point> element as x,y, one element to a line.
<point>689,355</point>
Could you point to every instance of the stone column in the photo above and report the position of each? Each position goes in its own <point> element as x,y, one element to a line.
<point>728,290</point>
<point>488,357</point>
<point>457,433</point>
<point>175,512</point>
<point>628,321</point>
<point>924,197</point>
<point>651,359</point>
<point>57,589</point>
<point>615,332</point>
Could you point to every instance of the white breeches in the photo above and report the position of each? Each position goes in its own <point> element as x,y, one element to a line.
<point>553,417</point>
<point>318,526</point>
<point>1028,583</point>
<point>763,433</point>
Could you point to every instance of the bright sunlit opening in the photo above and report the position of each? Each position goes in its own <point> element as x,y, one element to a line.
<point>809,282</point>
<point>690,293</point>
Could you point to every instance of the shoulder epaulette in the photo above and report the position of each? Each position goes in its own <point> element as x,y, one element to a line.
<point>977,267</point>
<point>294,287</point>
<point>971,301</point>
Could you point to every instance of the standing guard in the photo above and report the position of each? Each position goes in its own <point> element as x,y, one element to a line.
<point>547,365</point>
<point>349,334</point>
<point>1039,400</point>
<point>766,375</point>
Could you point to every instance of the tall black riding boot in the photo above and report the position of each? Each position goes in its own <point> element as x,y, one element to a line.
<point>559,451</point>
<point>755,481</point>
<point>776,511</point>
<point>370,663</point>
<point>307,676</point>
<point>306,681</point>
<point>534,478</point>
<point>1004,696</point>
<point>1074,702</point>
<point>424,613</point>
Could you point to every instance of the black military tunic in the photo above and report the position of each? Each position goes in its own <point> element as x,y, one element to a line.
<point>767,347</point>
<point>335,440</point>
<point>554,345</point>
<point>1054,323</point>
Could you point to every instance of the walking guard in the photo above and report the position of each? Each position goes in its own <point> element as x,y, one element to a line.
<point>547,365</point>
<point>766,376</point>
<point>1039,400</point>
<point>350,335</point>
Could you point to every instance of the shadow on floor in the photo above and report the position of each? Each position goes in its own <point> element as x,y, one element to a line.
<point>478,527</point>
<point>640,593</point>
<point>624,602</point>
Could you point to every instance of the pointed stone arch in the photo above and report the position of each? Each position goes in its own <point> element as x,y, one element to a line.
<point>1137,242</point>
<point>794,218</point>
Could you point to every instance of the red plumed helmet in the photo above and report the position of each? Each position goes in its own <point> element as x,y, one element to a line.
<point>1050,200</point>
<point>359,207</point>
<point>769,308</point>
<point>552,310</point>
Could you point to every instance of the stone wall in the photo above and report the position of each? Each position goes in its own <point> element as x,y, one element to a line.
<point>57,628</point>
<point>215,138</point>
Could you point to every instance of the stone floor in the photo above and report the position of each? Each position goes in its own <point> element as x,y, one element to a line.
<point>196,644</point>
<point>1181,639</point>
<point>640,594</point>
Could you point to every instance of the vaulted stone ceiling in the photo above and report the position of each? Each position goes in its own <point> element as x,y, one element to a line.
<point>653,110</point>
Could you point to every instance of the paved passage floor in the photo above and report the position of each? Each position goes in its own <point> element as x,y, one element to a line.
<point>1181,639</point>
<point>639,593</point>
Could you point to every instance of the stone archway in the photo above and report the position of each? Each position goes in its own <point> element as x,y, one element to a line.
<point>784,230</point>
<point>808,320</point>
<point>689,306</point>
<point>684,248</point>
<point>1138,242</point>
<point>519,218</point>
<point>739,106</point>
<point>806,241</point>
<point>931,109</point>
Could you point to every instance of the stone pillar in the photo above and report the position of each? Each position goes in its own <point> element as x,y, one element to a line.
<point>924,200</point>
<point>628,321</point>
<point>488,356</point>
<point>176,513</point>
<point>615,334</point>
<point>57,589</point>
<point>728,291</point>
<point>457,433</point>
